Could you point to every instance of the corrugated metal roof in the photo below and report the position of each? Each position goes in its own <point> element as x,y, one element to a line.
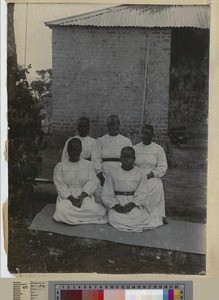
<point>142,16</point>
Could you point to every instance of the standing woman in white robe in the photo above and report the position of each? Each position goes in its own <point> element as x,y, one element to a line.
<point>125,192</point>
<point>83,127</point>
<point>107,149</point>
<point>75,182</point>
<point>151,158</point>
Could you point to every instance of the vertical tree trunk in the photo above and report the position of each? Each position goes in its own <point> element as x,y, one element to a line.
<point>11,54</point>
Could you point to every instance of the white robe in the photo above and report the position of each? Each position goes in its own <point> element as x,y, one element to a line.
<point>87,146</point>
<point>139,218</point>
<point>108,146</point>
<point>152,158</point>
<point>73,179</point>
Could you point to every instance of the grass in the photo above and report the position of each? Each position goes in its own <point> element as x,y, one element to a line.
<point>44,252</point>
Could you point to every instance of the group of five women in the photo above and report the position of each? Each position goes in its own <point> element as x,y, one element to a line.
<point>108,180</point>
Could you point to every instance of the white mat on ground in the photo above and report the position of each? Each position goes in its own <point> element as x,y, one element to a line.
<point>177,235</point>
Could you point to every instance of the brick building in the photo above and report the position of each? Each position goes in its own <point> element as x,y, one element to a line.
<point>116,61</point>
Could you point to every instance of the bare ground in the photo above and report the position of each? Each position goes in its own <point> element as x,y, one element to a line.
<point>42,252</point>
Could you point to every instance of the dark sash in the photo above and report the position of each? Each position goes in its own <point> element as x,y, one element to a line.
<point>111,159</point>
<point>117,193</point>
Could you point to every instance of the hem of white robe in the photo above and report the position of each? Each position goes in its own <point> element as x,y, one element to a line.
<point>103,220</point>
<point>84,215</point>
<point>159,208</point>
<point>156,221</point>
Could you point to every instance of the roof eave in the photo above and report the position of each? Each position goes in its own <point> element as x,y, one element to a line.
<point>51,26</point>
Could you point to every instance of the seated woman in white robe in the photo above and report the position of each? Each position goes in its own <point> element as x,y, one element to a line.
<point>75,182</point>
<point>125,192</point>
<point>151,158</point>
<point>106,152</point>
<point>83,127</point>
<point>107,149</point>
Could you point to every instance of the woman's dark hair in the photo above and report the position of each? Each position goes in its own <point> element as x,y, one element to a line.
<point>72,142</point>
<point>149,127</point>
<point>83,119</point>
<point>115,117</point>
<point>128,148</point>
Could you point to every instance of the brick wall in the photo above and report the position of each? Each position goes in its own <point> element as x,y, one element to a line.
<point>101,71</point>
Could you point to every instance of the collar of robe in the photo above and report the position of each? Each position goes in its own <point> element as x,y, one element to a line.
<point>128,169</point>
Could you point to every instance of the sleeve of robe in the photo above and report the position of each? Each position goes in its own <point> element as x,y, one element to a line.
<point>108,195</point>
<point>91,185</point>
<point>161,167</point>
<point>62,188</point>
<point>141,193</point>
<point>96,156</point>
<point>64,152</point>
<point>129,143</point>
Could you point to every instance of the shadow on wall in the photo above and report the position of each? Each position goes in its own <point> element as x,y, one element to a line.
<point>189,76</point>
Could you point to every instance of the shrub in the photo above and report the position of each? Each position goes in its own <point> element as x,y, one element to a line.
<point>25,138</point>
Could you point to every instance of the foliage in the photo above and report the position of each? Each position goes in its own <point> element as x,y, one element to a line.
<point>42,91</point>
<point>25,137</point>
<point>43,83</point>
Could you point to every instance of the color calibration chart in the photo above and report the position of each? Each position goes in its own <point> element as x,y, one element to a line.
<point>63,290</point>
<point>138,291</point>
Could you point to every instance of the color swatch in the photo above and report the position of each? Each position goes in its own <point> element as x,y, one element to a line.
<point>150,294</point>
